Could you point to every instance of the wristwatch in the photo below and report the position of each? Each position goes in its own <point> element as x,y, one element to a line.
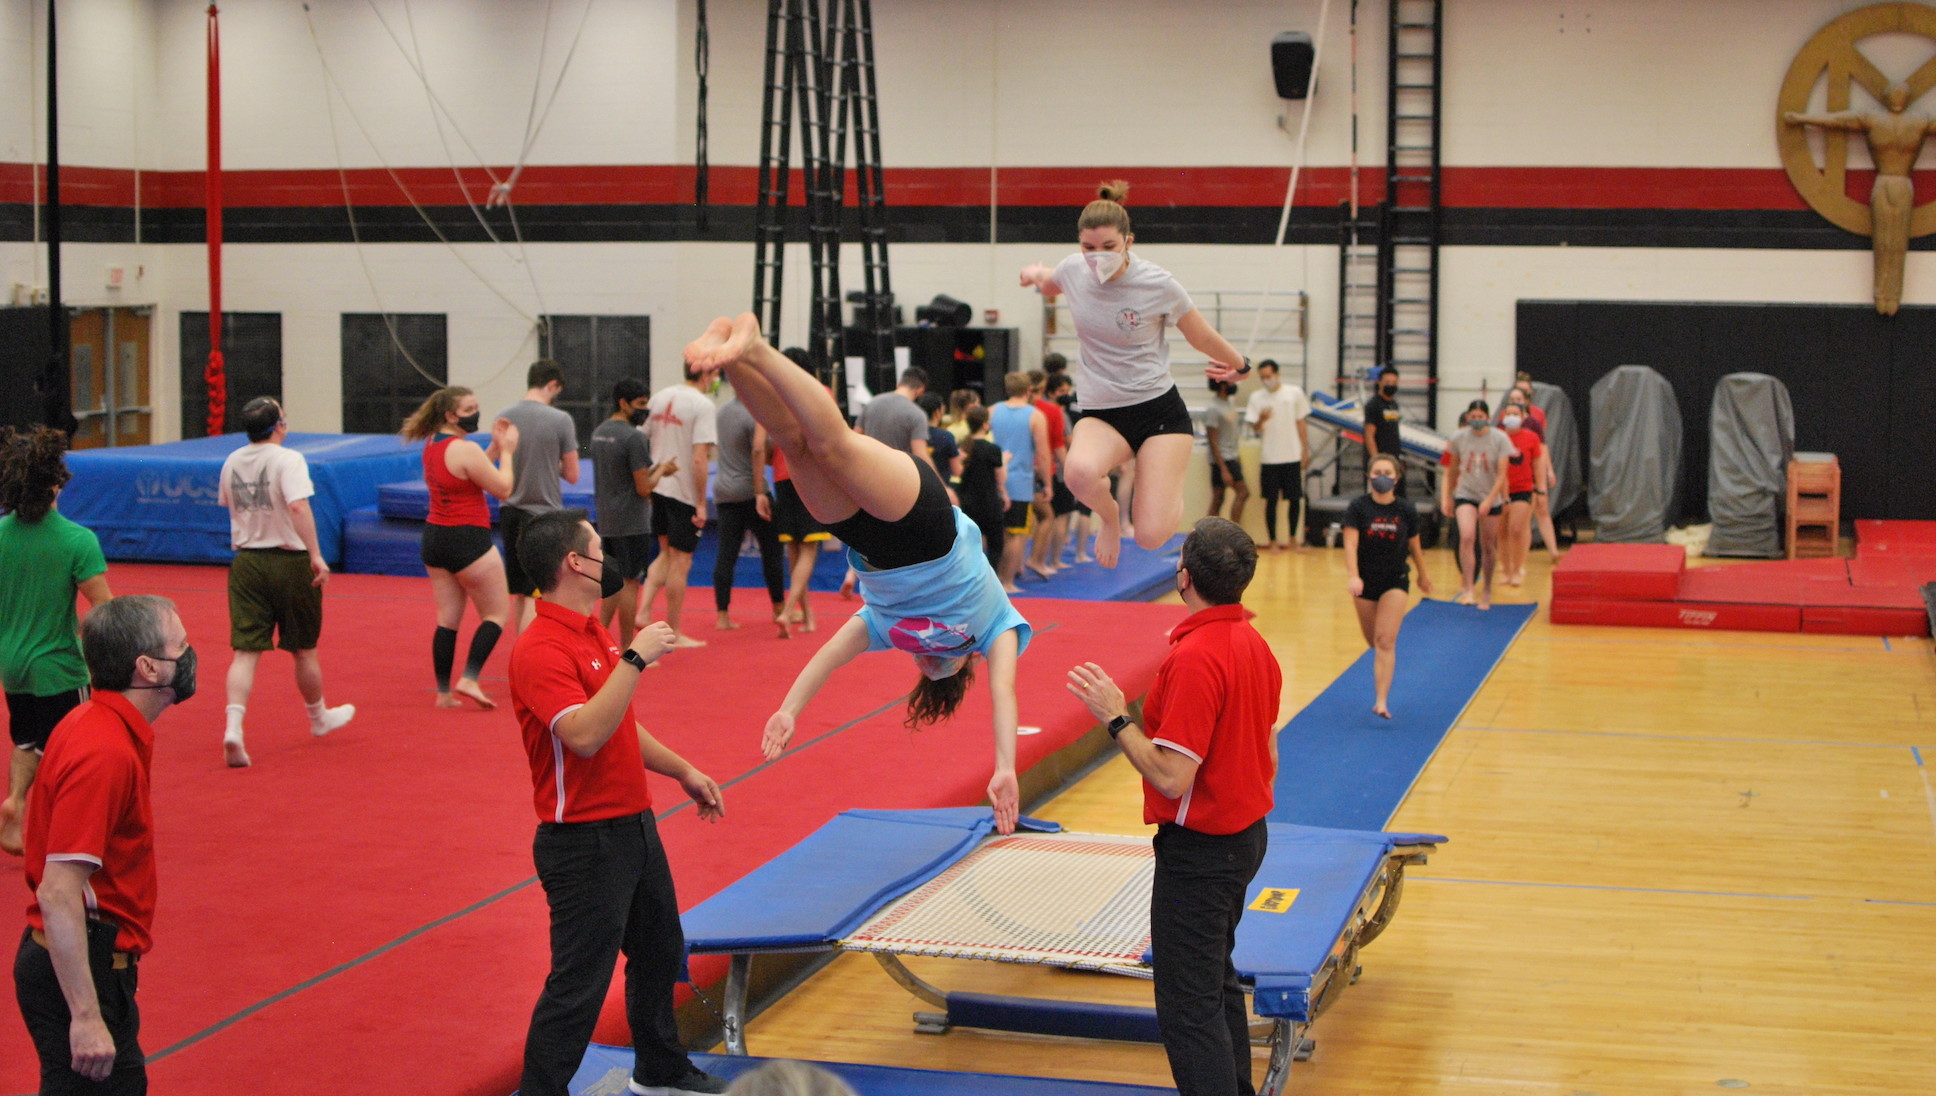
<point>633,659</point>
<point>1117,724</point>
<point>1245,371</point>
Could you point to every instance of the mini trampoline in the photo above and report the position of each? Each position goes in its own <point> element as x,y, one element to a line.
<point>938,883</point>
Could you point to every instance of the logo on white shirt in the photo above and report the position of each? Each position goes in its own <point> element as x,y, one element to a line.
<point>1128,320</point>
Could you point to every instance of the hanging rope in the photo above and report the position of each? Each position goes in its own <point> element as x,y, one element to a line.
<point>701,61</point>
<point>215,375</point>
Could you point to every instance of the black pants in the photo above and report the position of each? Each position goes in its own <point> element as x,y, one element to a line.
<point>1196,898</point>
<point>735,518</point>
<point>610,891</point>
<point>1285,481</point>
<point>44,1008</point>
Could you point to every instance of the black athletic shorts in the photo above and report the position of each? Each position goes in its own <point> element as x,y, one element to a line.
<point>510,523</point>
<point>791,519</point>
<point>274,601</point>
<point>1139,422</point>
<point>1216,471</point>
<point>455,547</point>
<point>629,555</point>
<point>672,520</point>
<point>1020,518</point>
<point>1497,507</point>
<point>1284,481</point>
<point>1061,499</point>
<point>1376,588</point>
<point>1520,496</point>
<point>926,532</point>
<point>30,719</point>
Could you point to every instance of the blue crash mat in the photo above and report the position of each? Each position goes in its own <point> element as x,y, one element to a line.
<point>1139,575</point>
<point>409,500</point>
<point>158,502</point>
<point>606,1069</point>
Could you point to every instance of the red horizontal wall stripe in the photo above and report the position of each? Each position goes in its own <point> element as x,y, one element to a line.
<point>672,184</point>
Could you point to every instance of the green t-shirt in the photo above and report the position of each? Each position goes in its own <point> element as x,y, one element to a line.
<point>44,562</point>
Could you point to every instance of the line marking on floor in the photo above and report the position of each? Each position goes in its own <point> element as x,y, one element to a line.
<point>1722,739</point>
<point>1416,877</point>
<point>1929,793</point>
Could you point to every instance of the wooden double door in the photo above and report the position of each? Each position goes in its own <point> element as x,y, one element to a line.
<point>109,350</point>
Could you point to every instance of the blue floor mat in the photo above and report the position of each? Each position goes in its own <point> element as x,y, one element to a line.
<point>1346,768</point>
<point>1139,575</point>
<point>606,1070</point>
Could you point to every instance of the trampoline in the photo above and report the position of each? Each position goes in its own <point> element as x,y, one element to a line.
<point>938,883</point>
<point>1420,446</point>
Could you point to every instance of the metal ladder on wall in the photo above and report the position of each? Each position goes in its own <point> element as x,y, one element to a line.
<point>800,52</point>
<point>1408,238</point>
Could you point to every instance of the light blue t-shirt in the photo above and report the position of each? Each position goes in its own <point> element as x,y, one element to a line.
<point>942,608</point>
<point>1009,426</point>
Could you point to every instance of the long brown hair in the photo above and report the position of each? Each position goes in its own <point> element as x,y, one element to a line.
<point>32,471</point>
<point>428,419</point>
<point>935,700</point>
<point>1107,210</point>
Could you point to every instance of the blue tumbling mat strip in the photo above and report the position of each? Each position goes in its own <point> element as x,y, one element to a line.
<point>1344,767</point>
<point>606,1070</point>
<point>1139,575</point>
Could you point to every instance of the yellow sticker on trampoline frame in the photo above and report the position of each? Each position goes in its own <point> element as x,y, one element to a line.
<point>1274,900</point>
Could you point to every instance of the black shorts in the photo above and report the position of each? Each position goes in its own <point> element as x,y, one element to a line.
<point>1020,519</point>
<point>672,520</point>
<point>1139,422</point>
<point>274,601</point>
<point>1216,471</point>
<point>1497,508</point>
<point>455,547</point>
<point>1061,499</point>
<point>1376,588</point>
<point>510,523</point>
<point>30,719</point>
<point>1284,481</point>
<point>1520,496</point>
<point>630,555</point>
<point>926,532</point>
<point>791,518</point>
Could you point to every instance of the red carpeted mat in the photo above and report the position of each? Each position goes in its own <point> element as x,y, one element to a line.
<point>1916,538</point>
<point>359,912</point>
<point>1620,571</point>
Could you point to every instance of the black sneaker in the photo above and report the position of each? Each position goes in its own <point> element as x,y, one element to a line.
<point>693,1082</point>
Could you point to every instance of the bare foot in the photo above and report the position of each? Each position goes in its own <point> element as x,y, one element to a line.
<point>806,621</point>
<point>1043,572</point>
<point>1109,544</point>
<point>448,700</point>
<point>725,623</point>
<point>1300,547</point>
<point>781,622</point>
<point>10,841</point>
<point>234,754</point>
<point>470,690</point>
<point>1464,598</point>
<point>1010,588</point>
<point>1380,710</point>
<point>688,641</point>
<point>703,351</point>
<point>1484,603</point>
<point>1084,557</point>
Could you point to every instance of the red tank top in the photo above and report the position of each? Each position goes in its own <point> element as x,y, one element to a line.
<point>453,499</point>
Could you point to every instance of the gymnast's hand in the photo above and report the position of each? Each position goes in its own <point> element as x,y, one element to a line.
<point>1034,274</point>
<point>1218,371</point>
<point>1356,586</point>
<point>705,793</point>
<point>1005,795</point>
<point>779,732</point>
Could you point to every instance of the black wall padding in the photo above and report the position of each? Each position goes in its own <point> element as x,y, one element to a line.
<point>251,357</point>
<point>25,346</point>
<point>1863,385</point>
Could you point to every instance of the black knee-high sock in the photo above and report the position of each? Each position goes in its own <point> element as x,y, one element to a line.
<point>443,652</point>
<point>482,641</point>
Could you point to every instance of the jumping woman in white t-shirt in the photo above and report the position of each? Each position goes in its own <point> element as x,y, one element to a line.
<point>1130,405</point>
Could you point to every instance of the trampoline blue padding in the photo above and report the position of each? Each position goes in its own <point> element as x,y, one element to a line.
<point>409,500</point>
<point>836,877</point>
<point>158,502</point>
<point>606,1069</point>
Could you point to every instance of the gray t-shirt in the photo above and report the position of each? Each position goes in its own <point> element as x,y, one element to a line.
<point>895,421</point>
<point>1481,459</point>
<point>545,435</point>
<point>618,450</point>
<point>1221,416</point>
<point>1120,326</point>
<point>733,473</point>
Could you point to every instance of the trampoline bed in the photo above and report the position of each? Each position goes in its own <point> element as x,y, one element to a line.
<point>1421,446</point>
<point>938,883</point>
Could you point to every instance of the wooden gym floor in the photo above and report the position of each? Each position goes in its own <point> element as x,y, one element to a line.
<point>1680,862</point>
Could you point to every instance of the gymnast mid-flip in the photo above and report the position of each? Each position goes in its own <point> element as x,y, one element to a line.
<point>923,576</point>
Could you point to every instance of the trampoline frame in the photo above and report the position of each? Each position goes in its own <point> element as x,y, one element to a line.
<point>1287,1038</point>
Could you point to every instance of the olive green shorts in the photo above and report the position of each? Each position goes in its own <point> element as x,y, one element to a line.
<point>273,601</point>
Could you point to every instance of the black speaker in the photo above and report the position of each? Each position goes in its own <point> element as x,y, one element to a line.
<point>1291,56</point>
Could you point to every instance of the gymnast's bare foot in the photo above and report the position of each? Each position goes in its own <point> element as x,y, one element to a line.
<point>785,626</point>
<point>742,334</point>
<point>806,619</point>
<point>234,754</point>
<point>10,842</point>
<point>1109,542</point>
<point>470,690</point>
<point>448,700</point>
<point>725,623</point>
<point>1380,710</point>
<point>687,641</point>
<point>703,352</point>
<point>1464,598</point>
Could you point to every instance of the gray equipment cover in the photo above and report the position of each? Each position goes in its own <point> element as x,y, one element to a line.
<point>1752,437</point>
<point>1636,455</point>
<point>1562,445</point>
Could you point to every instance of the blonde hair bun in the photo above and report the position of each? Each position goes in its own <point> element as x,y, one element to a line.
<point>1115,190</point>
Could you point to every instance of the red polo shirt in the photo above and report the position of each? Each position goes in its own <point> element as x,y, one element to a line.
<point>558,663</point>
<point>90,805</point>
<point>1215,700</point>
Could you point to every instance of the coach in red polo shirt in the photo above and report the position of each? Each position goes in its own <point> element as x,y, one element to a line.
<point>598,852</point>
<point>91,856</point>
<point>1207,750</point>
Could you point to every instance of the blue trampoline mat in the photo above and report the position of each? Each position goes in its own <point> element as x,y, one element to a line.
<point>606,1070</point>
<point>1139,575</point>
<point>1346,768</point>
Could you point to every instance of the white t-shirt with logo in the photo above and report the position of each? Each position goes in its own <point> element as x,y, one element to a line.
<point>258,483</point>
<point>677,419</point>
<point>1125,358</point>
<point>1288,407</point>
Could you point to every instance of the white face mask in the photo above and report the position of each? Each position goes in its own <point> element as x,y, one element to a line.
<point>1270,383</point>
<point>1104,264</point>
<point>1510,422</point>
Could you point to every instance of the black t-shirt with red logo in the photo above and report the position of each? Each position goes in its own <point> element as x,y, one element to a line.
<point>1385,532</point>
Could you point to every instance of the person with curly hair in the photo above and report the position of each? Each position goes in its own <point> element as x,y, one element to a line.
<point>46,559</point>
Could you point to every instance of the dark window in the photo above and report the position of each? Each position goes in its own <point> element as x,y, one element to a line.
<point>251,360</point>
<point>594,352</point>
<point>391,361</point>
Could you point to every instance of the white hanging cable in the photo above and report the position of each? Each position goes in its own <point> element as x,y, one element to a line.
<point>349,209</point>
<point>1297,167</point>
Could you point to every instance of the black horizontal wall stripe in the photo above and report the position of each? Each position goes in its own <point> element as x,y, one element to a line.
<point>1459,227</point>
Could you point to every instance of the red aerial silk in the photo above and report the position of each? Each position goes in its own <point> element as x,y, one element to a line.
<point>214,374</point>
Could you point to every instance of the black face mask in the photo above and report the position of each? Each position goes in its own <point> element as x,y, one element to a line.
<point>637,418</point>
<point>468,423</point>
<point>1389,390</point>
<point>184,680</point>
<point>610,581</point>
